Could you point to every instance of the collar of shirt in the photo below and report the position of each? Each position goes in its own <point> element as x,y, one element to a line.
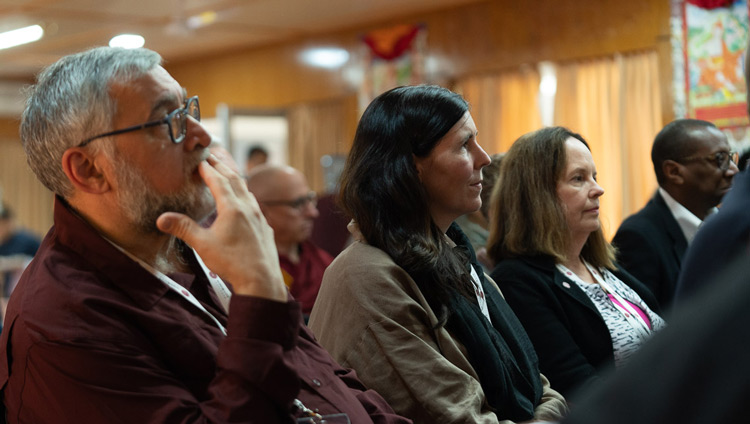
<point>688,222</point>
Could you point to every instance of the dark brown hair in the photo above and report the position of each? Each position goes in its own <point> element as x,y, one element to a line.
<point>381,189</point>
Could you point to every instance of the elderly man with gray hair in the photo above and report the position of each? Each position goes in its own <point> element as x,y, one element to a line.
<point>124,314</point>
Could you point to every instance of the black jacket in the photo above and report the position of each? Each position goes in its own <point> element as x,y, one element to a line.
<point>651,246</point>
<point>570,337</point>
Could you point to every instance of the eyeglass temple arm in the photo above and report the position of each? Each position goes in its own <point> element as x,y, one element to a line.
<point>124,130</point>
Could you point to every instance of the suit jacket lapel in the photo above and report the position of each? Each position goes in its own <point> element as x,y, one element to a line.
<point>679,243</point>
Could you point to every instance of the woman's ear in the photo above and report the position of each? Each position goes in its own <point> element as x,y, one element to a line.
<point>84,171</point>
<point>418,165</point>
<point>673,171</point>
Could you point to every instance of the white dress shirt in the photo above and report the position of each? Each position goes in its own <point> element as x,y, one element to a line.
<point>688,222</point>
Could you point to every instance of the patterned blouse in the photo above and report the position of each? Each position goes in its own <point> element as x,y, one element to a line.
<point>626,339</point>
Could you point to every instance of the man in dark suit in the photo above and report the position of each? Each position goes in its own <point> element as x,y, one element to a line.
<point>694,168</point>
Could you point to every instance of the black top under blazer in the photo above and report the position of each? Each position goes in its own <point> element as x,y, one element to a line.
<point>651,246</point>
<point>570,336</point>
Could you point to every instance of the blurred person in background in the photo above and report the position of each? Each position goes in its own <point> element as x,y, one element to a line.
<point>290,209</point>
<point>475,225</point>
<point>256,155</point>
<point>17,248</point>
<point>489,178</point>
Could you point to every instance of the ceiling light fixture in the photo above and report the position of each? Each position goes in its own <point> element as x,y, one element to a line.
<point>325,57</point>
<point>20,36</point>
<point>127,41</point>
<point>201,20</point>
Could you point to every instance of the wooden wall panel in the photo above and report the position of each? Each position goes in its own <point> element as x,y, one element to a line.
<point>9,128</point>
<point>479,37</point>
<point>26,196</point>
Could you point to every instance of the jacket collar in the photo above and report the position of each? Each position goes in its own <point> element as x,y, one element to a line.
<point>118,269</point>
<point>671,227</point>
<point>562,282</point>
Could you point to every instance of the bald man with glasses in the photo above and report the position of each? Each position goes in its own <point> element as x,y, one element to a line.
<point>134,312</point>
<point>290,209</point>
<point>694,167</point>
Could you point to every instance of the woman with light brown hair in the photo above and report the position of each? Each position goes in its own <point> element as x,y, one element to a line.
<point>555,267</point>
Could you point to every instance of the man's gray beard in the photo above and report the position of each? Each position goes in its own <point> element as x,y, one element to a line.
<point>142,204</point>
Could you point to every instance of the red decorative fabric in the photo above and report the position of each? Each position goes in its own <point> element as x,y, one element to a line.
<point>304,278</point>
<point>390,43</point>
<point>711,4</point>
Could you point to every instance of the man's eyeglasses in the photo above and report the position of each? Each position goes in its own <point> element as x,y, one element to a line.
<point>720,159</point>
<point>299,203</point>
<point>176,120</point>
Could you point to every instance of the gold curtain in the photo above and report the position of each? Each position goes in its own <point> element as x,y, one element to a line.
<point>25,195</point>
<point>316,129</point>
<point>504,106</point>
<point>614,104</point>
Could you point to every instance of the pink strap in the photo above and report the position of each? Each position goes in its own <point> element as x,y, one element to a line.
<point>635,307</point>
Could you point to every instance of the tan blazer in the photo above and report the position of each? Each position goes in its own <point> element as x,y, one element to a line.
<point>371,316</point>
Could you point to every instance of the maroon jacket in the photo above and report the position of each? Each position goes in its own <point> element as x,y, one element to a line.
<point>92,337</point>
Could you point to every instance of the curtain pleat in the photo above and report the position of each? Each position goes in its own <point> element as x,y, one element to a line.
<point>316,129</point>
<point>614,104</point>
<point>504,106</point>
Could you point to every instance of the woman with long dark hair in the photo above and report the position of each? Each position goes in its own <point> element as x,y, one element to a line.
<point>407,305</point>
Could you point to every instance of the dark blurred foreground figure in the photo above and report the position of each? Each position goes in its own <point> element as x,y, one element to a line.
<point>694,372</point>
<point>720,240</point>
<point>694,167</point>
<point>743,160</point>
<point>407,305</point>
<point>581,310</point>
<point>123,316</point>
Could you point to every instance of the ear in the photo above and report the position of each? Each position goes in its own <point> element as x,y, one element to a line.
<point>85,171</point>
<point>673,171</point>
<point>418,165</point>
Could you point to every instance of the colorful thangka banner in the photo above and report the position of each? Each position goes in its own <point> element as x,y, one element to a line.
<point>714,44</point>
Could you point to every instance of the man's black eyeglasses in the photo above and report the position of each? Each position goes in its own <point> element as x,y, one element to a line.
<point>176,120</point>
<point>721,159</point>
<point>299,203</point>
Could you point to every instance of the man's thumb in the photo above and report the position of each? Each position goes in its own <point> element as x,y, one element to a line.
<point>178,225</point>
